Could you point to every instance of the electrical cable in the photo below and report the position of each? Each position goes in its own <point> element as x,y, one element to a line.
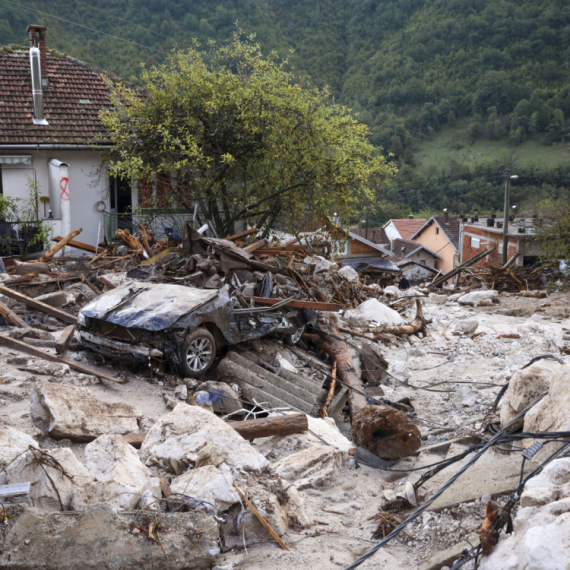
<point>450,482</point>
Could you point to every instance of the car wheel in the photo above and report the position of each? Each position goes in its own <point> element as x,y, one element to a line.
<point>293,338</point>
<point>197,353</point>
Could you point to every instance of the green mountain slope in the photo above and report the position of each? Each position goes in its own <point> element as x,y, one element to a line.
<point>443,84</point>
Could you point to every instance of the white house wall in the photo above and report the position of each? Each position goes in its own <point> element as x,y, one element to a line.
<point>86,187</point>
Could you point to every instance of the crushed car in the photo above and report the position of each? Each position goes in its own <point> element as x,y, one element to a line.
<point>181,325</point>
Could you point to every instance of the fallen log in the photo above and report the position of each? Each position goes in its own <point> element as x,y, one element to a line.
<point>10,317</point>
<point>274,425</point>
<point>129,240</point>
<point>23,347</point>
<point>417,325</point>
<point>533,294</point>
<point>58,246</point>
<point>512,260</point>
<point>106,282</point>
<point>38,305</point>
<point>383,430</point>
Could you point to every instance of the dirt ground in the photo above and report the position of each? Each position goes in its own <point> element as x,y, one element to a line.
<point>466,372</point>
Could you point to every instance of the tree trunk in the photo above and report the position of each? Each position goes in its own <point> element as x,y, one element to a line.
<point>275,425</point>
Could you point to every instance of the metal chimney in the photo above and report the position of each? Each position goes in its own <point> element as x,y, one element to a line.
<point>37,91</point>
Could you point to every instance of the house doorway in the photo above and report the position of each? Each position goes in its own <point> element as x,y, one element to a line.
<point>120,204</point>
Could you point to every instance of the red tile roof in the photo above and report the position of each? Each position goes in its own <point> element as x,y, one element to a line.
<point>72,101</point>
<point>407,227</point>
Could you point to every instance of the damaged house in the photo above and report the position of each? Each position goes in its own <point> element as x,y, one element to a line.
<point>51,138</point>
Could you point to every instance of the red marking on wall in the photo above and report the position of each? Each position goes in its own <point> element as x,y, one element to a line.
<point>63,187</point>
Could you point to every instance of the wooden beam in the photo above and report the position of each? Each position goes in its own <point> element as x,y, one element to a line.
<point>275,425</point>
<point>254,246</point>
<point>11,317</point>
<point>267,251</point>
<point>295,304</point>
<point>38,305</point>
<point>89,284</point>
<point>38,353</point>
<point>63,341</point>
<point>60,245</point>
<point>135,439</point>
<point>80,245</point>
<point>14,490</point>
<point>242,234</point>
<point>106,282</point>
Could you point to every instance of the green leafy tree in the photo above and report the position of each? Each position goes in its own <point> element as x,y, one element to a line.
<point>555,230</point>
<point>243,139</point>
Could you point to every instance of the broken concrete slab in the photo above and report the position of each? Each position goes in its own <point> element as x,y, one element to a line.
<point>54,475</point>
<point>102,538</point>
<point>185,430</point>
<point>117,472</point>
<point>496,475</point>
<point>74,412</point>
<point>313,467</point>
<point>57,299</point>
<point>449,555</point>
<point>222,396</point>
<point>208,484</point>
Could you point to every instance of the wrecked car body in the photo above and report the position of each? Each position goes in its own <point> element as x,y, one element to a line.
<point>180,325</point>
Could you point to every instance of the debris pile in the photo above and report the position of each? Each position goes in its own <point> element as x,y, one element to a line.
<point>396,417</point>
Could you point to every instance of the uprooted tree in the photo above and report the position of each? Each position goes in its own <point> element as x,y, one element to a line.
<point>236,133</point>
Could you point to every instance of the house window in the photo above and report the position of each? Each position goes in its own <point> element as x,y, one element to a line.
<point>475,243</point>
<point>500,249</point>
<point>423,262</point>
<point>437,231</point>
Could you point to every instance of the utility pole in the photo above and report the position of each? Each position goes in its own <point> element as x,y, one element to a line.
<point>506,217</point>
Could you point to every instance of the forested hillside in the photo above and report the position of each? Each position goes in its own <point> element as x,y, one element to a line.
<point>425,75</point>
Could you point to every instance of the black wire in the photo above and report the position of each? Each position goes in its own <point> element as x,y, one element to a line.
<point>450,482</point>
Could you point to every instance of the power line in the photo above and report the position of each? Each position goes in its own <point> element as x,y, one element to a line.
<point>82,26</point>
<point>119,18</point>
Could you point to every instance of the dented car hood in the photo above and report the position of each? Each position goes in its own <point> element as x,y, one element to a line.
<point>150,306</point>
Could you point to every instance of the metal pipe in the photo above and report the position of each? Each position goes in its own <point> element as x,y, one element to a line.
<point>37,92</point>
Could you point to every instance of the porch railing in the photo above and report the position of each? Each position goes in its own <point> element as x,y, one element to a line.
<point>20,238</point>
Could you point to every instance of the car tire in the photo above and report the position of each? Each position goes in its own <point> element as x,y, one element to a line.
<point>294,338</point>
<point>197,353</point>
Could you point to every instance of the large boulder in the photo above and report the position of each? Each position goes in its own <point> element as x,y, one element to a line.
<point>551,484</point>
<point>118,474</point>
<point>74,412</point>
<point>526,385</point>
<point>386,432</point>
<point>207,484</point>
<point>551,413</point>
<point>477,297</point>
<point>372,312</point>
<point>317,466</point>
<point>12,444</point>
<point>54,475</point>
<point>183,432</point>
<point>102,538</point>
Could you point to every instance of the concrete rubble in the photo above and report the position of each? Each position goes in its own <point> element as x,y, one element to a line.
<point>327,443</point>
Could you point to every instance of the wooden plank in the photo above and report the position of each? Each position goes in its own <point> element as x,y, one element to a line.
<point>295,304</point>
<point>159,255</point>
<point>266,251</point>
<point>254,246</point>
<point>80,245</point>
<point>276,425</point>
<point>39,353</point>
<point>63,341</point>
<point>242,234</point>
<point>11,317</point>
<point>14,490</point>
<point>38,305</point>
